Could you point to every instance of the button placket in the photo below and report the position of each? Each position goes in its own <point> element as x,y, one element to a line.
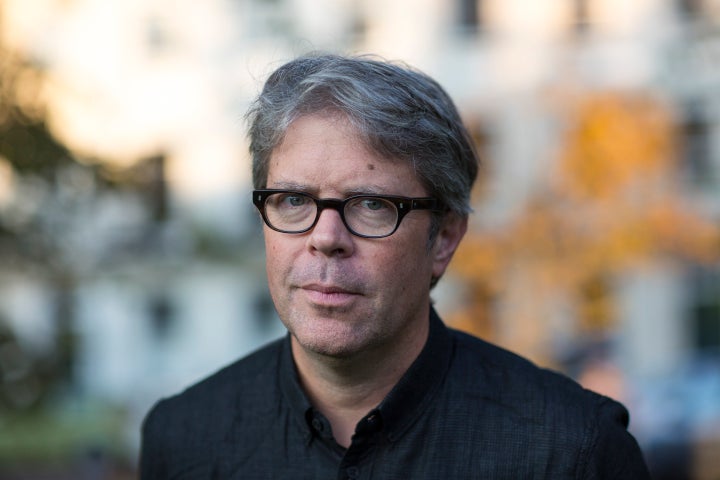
<point>317,424</point>
<point>352,472</point>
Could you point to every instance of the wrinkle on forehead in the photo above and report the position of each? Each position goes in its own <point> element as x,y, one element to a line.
<point>325,156</point>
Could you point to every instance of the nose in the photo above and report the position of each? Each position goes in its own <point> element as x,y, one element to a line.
<point>330,236</point>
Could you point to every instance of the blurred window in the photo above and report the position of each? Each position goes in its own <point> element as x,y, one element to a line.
<point>358,25</point>
<point>705,307</point>
<point>157,36</point>
<point>469,16</point>
<point>581,16</point>
<point>690,8</point>
<point>695,143</point>
<point>163,317</point>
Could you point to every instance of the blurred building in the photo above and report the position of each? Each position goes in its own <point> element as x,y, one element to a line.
<point>169,286</point>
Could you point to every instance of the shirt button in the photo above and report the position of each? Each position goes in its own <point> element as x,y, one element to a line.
<point>352,472</point>
<point>317,424</point>
<point>374,422</point>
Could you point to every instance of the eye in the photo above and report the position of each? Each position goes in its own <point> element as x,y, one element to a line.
<point>374,203</point>
<point>292,200</point>
<point>296,201</point>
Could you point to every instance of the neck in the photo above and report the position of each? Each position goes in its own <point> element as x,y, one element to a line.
<point>346,389</point>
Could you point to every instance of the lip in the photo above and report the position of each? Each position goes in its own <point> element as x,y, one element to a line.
<point>329,295</point>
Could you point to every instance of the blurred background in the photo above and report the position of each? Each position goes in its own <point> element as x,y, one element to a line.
<point>131,262</point>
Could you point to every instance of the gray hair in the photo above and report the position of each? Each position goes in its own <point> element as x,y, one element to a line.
<point>401,113</point>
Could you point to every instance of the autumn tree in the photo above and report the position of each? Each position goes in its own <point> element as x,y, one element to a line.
<point>613,204</point>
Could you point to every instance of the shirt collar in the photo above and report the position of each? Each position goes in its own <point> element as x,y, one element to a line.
<point>406,401</point>
<point>418,386</point>
<point>293,392</point>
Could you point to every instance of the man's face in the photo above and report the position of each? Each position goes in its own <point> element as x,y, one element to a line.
<point>339,294</point>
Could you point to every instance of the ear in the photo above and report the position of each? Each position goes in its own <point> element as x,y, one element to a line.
<point>452,230</point>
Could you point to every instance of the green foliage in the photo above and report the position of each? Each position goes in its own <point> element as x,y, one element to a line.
<point>61,435</point>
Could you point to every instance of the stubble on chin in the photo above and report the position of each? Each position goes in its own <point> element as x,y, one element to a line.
<point>329,332</point>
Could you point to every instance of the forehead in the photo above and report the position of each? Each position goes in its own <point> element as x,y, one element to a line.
<point>327,153</point>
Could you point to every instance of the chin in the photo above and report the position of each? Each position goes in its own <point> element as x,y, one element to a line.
<point>338,343</point>
<point>334,348</point>
<point>334,352</point>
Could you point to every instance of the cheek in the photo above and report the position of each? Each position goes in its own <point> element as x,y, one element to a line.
<point>404,268</point>
<point>275,244</point>
<point>274,260</point>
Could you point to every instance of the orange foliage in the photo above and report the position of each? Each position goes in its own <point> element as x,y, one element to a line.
<point>612,206</point>
<point>615,140</point>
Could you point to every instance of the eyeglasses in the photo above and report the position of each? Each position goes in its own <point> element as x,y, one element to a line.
<point>367,216</point>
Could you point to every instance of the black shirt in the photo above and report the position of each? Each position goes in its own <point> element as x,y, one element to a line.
<point>464,409</point>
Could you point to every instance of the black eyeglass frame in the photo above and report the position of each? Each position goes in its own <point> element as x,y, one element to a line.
<point>404,205</point>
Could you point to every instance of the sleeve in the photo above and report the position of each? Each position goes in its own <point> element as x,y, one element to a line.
<point>612,452</point>
<point>152,457</point>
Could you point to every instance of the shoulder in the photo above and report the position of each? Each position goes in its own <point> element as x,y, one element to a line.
<point>202,411</point>
<point>493,373</point>
<point>233,382</point>
<point>511,377</point>
<point>520,400</point>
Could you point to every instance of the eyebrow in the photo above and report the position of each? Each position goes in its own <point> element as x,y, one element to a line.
<point>302,188</point>
<point>290,186</point>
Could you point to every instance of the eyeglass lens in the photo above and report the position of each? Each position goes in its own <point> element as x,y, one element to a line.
<point>364,215</point>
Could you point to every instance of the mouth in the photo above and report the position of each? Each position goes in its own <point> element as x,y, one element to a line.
<point>329,295</point>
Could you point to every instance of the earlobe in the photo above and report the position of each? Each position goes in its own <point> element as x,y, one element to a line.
<point>448,238</point>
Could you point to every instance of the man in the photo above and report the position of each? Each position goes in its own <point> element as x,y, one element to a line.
<point>363,171</point>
